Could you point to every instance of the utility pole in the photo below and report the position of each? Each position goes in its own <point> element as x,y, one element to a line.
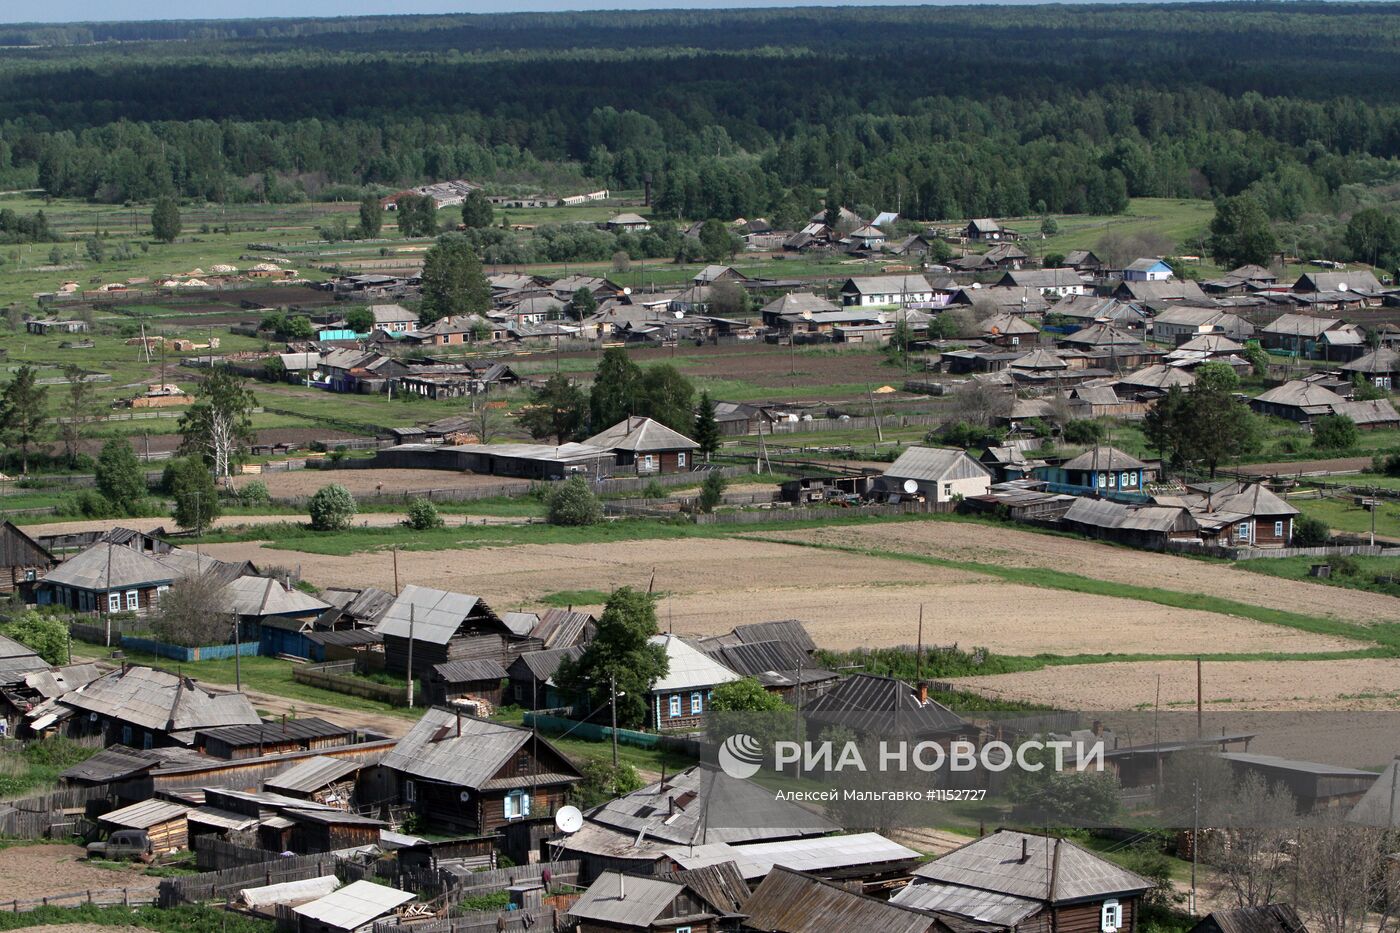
<point>1199,730</point>
<point>612,695</point>
<point>410,655</point>
<point>1195,838</point>
<point>396,570</point>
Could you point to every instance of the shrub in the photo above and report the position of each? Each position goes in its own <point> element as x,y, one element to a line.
<point>602,782</point>
<point>1335,432</point>
<point>423,515</point>
<point>1345,567</point>
<point>1387,463</point>
<point>572,502</point>
<point>1310,532</point>
<point>1084,431</point>
<point>712,491</point>
<point>332,508</point>
<point>45,635</point>
<point>654,490</point>
<point>254,494</point>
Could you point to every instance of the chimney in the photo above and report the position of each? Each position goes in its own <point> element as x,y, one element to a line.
<point>923,691</point>
<point>1025,851</point>
<point>621,887</point>
<point>459,722</point>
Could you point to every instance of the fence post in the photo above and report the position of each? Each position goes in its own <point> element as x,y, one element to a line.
<point>126,902</point>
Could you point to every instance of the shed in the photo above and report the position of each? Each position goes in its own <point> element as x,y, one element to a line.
<point>478,679</point>
<point>23,561</point>
<point>443,626</point>
<point>352,909</point>
<point>532,678</point>
<point>315,831</point>
<point>1271,918</point>
<point>165,823</point>
<point>273,737</point>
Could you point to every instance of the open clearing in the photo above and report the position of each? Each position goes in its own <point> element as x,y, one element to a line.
<point>30,872</point>
<point>1360,684</point>
<point>848,600</point>
<point>1008,547</point>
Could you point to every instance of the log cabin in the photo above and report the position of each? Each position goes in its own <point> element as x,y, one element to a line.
<point>442,627</point>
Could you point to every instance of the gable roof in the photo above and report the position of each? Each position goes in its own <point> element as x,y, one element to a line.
<point>1006,323</point>
<point>1300,394</point>
<point>631,901</point>
<point>17,660</point>
<point>1359,280</point>
<point>791,902</point>
<point>1158,377</point>
<point>1271,918</point>
<point>466,751</point>
<point>1055,871</point>
<point>688,667</point>
<point>468,671</point>
<point>886,284</point>
<point>864,700</point>
<point>1100,458</point>
<point>264,596</point>
<point>1382,360</point>
<point>640,435</point>
<point>1300,325</point>
<point>1042,278</point>
<point>703,804</point>
<point>542,665</point>
<point>433,615</point>
<point>1105,513</point>
<point>935,464</point>
<point>1164,290</point>
<point>797,303</point>
<point>1146,264</point>
<point>392,314</point>
<point>160,701</point>
<point>18,549</point>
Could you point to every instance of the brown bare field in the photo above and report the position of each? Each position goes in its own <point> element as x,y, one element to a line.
<point>81,928</point>
<point>364,482</point>
<point>1009,547</point>
<point>848,601</point>
<point>31,872</point>
<point>1358,684</point>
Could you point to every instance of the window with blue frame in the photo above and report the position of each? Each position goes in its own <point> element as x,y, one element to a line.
<point>517,805</point>
<point>697,703</point>
<point>675,704</point>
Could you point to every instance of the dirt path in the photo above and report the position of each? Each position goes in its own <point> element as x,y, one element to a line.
<point>1293,468</point>
<point>385,724</point>
<point>1009,547</point>
<point>30,872</point>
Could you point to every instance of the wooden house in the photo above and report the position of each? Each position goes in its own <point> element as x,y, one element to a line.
<point>23,561</point>
<point>531,676</point>
<point>144,707</point>
<point>1103,470</point>
<point>618,902</point>
<point>644,446</point>
<point>1021,882</point>
<point>939,474</point>
<point>477,679</point>
<point>680,699</point>
<point>273,737</point>
<point>440,626</point>
<point>475,776</point>
<point>866,702</point>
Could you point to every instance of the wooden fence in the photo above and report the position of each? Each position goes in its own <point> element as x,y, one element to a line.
<point>339,676</point>
<point>48,815</point>
<point>212,854</point>
<point>104,897</point>
<point>219,885</point>
<point>861,423</point>
<point>767,516</point>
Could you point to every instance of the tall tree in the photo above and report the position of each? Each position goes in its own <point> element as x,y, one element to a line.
<point>119,477</point>
<point>1165,425</point>
<point>219,425</point>
<point>556,409</point>
<point>706,427</point>
<point>453,282</point>
<point>714,240</point>
<point>165,220</point>
<point>79,406</point>
<point>417,215</point>
<point>371,216</point>
<point>477,211</point>
<point>664,395</point>
<point>196,498</point>
<point>582,303</point>
<point>1220,426</point>
<point>615,388</point>
<point>621,655</point>
<point>1240,233</point>
<point>1373,237</point>
<point>22,418</point>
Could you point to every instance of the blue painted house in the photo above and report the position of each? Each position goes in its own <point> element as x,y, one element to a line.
<point>1147,270</point>
<point>1103,471</point>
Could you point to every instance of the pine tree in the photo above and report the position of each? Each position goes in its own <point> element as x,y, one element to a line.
<point>706,427</point>
<point>165,220</point>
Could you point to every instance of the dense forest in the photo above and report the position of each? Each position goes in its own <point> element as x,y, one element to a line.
<point>937,111</point>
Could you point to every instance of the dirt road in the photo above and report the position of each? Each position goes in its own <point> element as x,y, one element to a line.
<point>30,872</point>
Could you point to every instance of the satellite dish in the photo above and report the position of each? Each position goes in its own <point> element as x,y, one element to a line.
<point>627,290</point>
<point>464,796</point>
<point>911,486</point>
<point>1341,286</point>
<point>568,820</point>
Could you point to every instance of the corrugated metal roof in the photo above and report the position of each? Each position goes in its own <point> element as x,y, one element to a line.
<point>436,615</point>
<point>145,814</point>
<point>542,665</point>
<point>791,902</point>
<point>688,666</point>
<point>263,596</point>
<point>816,856</point>
<point>761,657</point>
<point>934,464</point>
<point>16,661</point>
<point>433,749</point>
<point>158,700</point>
<point>1321,769</point>
<point>633,901</point>
<point>112,764</point>
<point>994,863</point>
<point>355,905</point>
<point>312,774</point>
<point>277,731</point>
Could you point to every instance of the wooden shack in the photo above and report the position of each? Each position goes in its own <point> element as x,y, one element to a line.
<point>273,737</point>
<point>165,823</point>
<point>315,831</point>
<point>468,680</point>
<point>441,626</point>
<point>23,561</point>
